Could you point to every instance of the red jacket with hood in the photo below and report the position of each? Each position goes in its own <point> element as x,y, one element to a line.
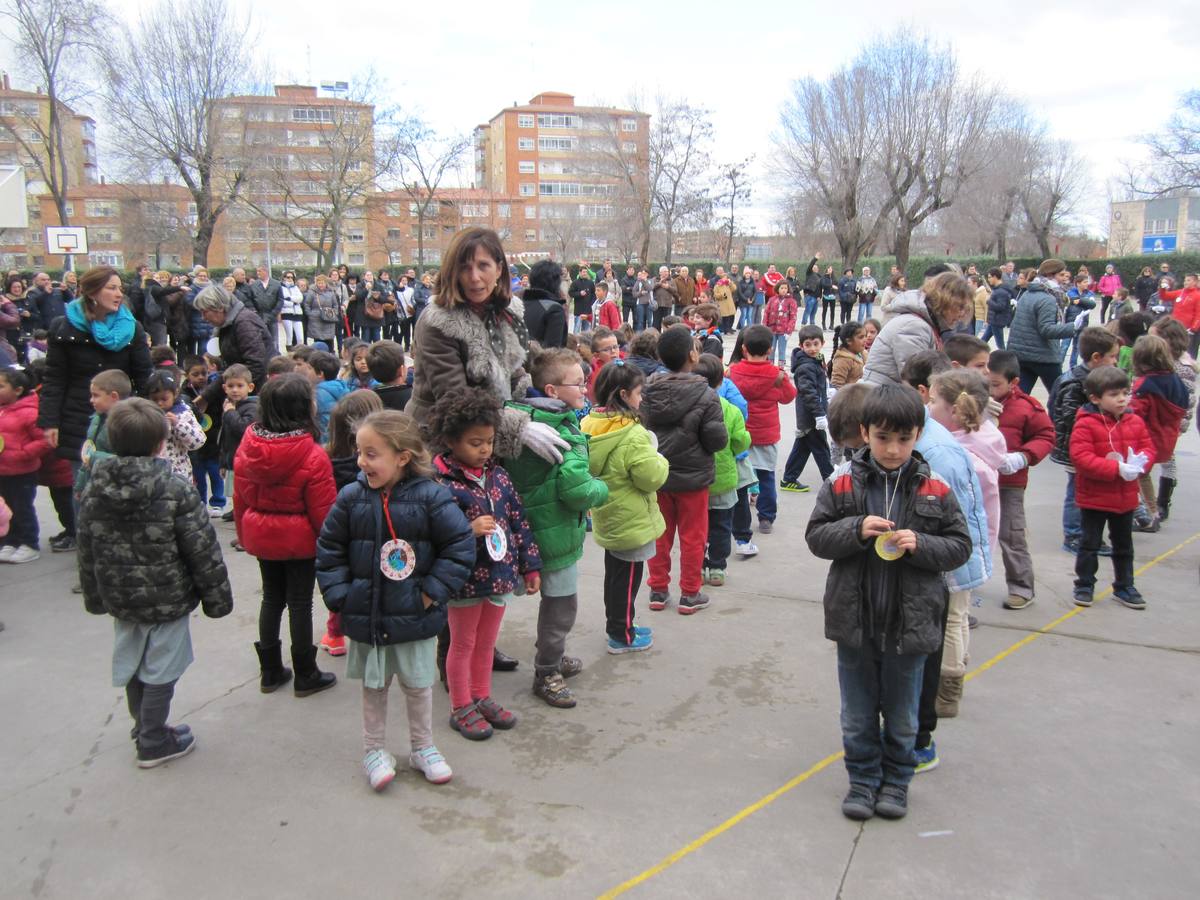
<point>282,490</point>
<point>1027,429</point>
<point>24,443</point>
<point>1161,399</point>
<point>766,387</point>
<point>1098,483</point>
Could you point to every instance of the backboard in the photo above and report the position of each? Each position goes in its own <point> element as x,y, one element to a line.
<point>66,240</point>
<point>14,209</point>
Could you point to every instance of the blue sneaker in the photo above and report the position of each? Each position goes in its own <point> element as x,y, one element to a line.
<point>639,630</point>
<point>640,642</point>
<point>927,758</point>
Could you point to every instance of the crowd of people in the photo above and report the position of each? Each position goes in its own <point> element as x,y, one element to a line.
<point>424,452</point>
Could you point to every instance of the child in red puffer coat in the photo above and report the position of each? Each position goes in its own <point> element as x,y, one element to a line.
<point>283,489</point>
<point>1161,398</point>
<point>22,447</point>
<point>1110,450</point>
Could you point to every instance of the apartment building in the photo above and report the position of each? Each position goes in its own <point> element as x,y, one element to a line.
<point>25,141</point>
<point>308,163</point>
<point>562,160</point>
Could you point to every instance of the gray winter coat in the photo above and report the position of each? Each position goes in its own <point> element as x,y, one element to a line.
<point>147,549</point>
<point>910,330</point>
<point>927,506</point>
<point>1036,329</point>
<point>320,328</point>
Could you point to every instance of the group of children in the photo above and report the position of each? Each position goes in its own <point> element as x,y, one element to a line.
<point>418,538</point>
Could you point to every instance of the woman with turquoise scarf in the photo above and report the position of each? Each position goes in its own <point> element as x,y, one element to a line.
<point>98,332</point>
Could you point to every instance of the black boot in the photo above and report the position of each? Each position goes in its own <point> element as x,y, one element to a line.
<point>270,660</point>
<point>1166,487</point>
<point>502,662</point>
<point>309,679</point>
<point>443,648</point>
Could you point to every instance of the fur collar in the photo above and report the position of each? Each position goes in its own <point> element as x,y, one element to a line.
<point>501,368</point>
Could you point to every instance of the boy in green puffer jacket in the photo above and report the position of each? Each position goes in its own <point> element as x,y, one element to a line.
<point>723,493</point>
<point>557,498</point>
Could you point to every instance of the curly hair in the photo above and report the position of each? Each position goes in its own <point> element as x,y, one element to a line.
<point>457,410</point>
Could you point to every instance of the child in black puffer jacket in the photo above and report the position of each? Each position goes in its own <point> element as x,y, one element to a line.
<point>394,549</point>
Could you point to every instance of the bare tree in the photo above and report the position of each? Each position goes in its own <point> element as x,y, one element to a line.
<point>1174,153</point>
<point>564,226</point>
<point>1057,179</point>
<point>314,188</point>
<point>52,42</point>
<point>423,158</point>
<point>204,53</point>
<point>679,139</point>
<point>608,154</point>
<point>152,218</point>
<point>734,180</point>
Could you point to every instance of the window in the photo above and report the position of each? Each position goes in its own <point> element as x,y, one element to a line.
<point>531,212</point>
<point>105,235</point>
<point>527,167</point>
<point>395,258</point>
<point>107,258</point>
<point>237,260</point>
<point>590,211</point>
<point>430,231</point>
<point>414,209</point>
<point>231,112</point>
<point>557,120</point>
<point>356,259</point>
<point>70,209</point>
<point>432,257</point>
<point>100,209</point>
<point>447,229</point>
<point>1160,226</point>
<point>504,233</point>
<point>531,234</point>
<point>311,114</point>
<point>355,236</point>
<point>557,143</point>
<point>392,210</point>
<point>35,238</point>
<point>557,167</point>
<point>474,210</point>
<point>527,189</point>
<point>524,143</point>
<point>504,210</point>
<point>628,147</point>
<point>395,234</point>
<point>525,120</point>
<point>33,136</point>
<point>629,124</point>
<point>558,188</point>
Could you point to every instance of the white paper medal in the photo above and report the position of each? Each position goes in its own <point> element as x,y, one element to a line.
<point>397,559</point>
<point>497,544</point>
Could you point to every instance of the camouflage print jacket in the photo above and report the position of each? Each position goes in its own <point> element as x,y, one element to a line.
<point>147,550</point>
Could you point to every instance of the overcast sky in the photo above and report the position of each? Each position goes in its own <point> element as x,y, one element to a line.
<point>1100,72</point>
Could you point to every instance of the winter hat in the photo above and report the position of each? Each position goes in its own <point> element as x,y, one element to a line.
<point>1051,267</point>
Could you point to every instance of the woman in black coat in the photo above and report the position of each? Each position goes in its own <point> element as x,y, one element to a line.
<point>1145,287</point>
<point>545,315</point>
<point>97,333</point>
<point>243,338</point>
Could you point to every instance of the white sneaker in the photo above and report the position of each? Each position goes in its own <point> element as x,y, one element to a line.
<point>216,511</point>
<point>429,761</point>
<point>6,553</point>
<point>23,555</point>
<point>380,767</point>
<point>746,549</point>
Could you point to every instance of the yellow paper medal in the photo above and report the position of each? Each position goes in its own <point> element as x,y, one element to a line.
<point>885,546</point>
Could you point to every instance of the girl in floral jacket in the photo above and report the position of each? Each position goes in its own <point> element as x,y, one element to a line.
<point>464,422</point>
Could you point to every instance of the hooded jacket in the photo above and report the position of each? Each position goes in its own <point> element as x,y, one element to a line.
<point>1000,307</point>
<point>1161,399</point>
<point>545,318</point>
<point>624,456</point>
<point>766,387</point>
<point>780,314</point>
<point>911,618</point>
<point>1098,482</point>
<point>685,415</point>
<point>282,490</point>
<point>147,550</point>
<point>1109,284</point>
<point>498,498</point>
<point>1036,329</point>
<point>987,448</point>
<point>725,459</point>
<point>376,610</point>
<point>327,394</point>
<point>243,338</point>
<point>557,497</point>
<point>1027,429</point>
<point>910,330</point>
<point>1065,401</point>
<point>845,368</point>
<point>23,442</point>
<point>812,390</point>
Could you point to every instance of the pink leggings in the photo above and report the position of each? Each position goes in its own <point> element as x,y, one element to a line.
<point>473,632</point>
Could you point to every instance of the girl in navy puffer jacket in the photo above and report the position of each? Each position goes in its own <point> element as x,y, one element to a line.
<point>465,422</point>
<point>394,550</point>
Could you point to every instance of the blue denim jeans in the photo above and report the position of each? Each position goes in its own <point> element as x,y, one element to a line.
<point>720,538</point>
<point>582,324</point>
<point>810,310</point>
<point>209,468</point>
<point>767,504</point>
<point>864,311</point>
<point>372,333</point>
<point>779,348</point>
<point>1072,522</point>
<point>642,316</point>
<point>875,681</point>
<point>994,331</point>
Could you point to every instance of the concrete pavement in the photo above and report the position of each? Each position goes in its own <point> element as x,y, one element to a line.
<point>1072,770</point>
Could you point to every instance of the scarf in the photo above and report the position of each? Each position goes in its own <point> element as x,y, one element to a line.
<point>1051,287</point>
<point>114,332</point>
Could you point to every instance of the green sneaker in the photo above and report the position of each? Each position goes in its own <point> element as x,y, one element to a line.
<point>793,487</point>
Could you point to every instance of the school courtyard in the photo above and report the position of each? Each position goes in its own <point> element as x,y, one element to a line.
<point>706,767</point>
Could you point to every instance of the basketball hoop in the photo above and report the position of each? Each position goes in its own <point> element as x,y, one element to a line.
<point>67,244</point>
<point>66,240</point>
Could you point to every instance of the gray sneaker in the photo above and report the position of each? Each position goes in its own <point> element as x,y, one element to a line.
<point>692,603</point>
<point>765,526</point>
<point>859,803</point>
<point>892,802</point>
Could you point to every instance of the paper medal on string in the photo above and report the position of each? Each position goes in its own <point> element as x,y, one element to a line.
<point>497,544</point>
<point>885,546</point>
<point>397,559</point>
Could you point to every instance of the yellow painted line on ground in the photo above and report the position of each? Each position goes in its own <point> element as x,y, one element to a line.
<point>763,802</point>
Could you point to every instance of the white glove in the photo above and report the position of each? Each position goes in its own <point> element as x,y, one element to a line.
<point>1139,460</point>
<point>830,392</point>
<point>822,423</point>
<point>1081,321</point>
<point>1129,472</point>
<point>1013,463</point>
<point>544,441</point>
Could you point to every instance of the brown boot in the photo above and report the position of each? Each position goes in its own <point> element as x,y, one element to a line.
<point>950,688</point>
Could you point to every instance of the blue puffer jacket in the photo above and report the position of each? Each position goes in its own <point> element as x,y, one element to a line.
<point>376,610</point>
<point>947,458</point>
<point>328,393</point>
<point>729,391</point>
